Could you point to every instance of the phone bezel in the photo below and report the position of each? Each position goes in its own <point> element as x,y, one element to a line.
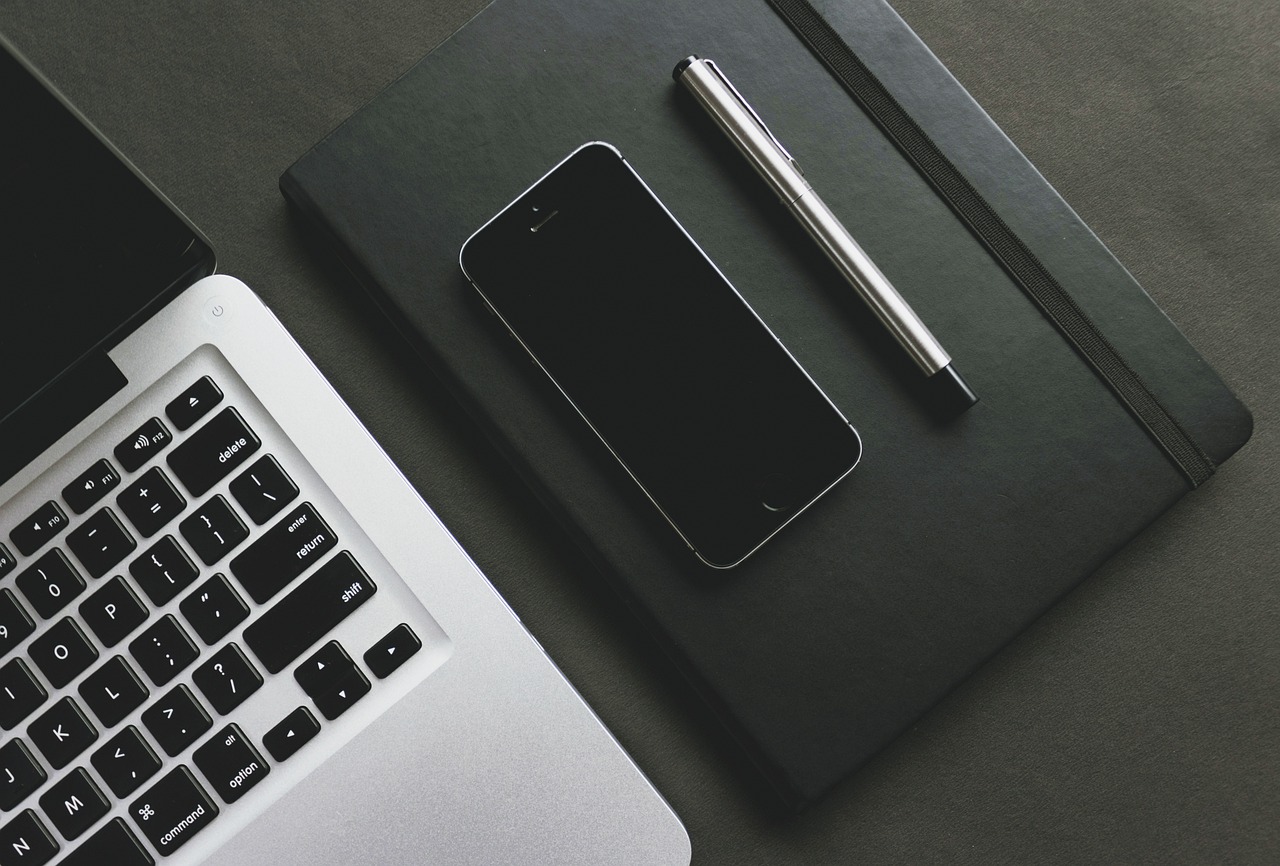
<point>522,200</point>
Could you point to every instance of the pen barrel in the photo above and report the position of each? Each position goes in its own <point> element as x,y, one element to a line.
<point>872,286</point>
<point>744,129</point>
<point>770,159</point>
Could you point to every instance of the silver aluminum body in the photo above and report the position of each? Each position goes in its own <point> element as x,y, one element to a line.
<point>482,753</point>
<point>752,137</point>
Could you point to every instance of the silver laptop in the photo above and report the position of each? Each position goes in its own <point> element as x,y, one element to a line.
<point>230,631</point>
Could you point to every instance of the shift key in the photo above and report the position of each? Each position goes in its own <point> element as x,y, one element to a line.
<point>298,541</point>
<point>213,451</point>
<point>309,612</point>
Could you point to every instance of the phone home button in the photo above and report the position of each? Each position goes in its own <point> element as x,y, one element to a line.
<point>778,492</point>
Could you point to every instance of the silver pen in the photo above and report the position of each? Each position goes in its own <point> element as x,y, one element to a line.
<point>738,120</point>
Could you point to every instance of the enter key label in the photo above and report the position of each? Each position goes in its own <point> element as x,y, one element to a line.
<point>287,549</point>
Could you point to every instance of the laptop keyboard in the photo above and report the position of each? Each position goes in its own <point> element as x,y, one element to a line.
<point>184,612</point>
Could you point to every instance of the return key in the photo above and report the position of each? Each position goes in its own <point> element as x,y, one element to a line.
<point>285,551</point>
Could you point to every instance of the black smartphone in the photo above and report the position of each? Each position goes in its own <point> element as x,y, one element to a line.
<point>693,394</point>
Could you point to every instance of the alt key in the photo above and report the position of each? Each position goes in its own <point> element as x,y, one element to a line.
<point>230,763</point>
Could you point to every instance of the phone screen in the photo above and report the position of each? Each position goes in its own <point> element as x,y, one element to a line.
<point>692,393</point>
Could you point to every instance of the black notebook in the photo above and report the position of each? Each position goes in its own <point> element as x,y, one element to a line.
<point>952,535</point>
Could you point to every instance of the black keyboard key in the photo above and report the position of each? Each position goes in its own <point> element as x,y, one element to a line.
<point>24,841</point>
<point>230,763</point>
<point>20,774</point>
<point>213,530</point>
<point>176,720</point>
<point>151,502</point>
<point>20,693</point>
<point>113,691</point>
<point>173,810</point>
<point>74,804</point>
<point>101,542</point>
<point>63,652</point>
<point>309,612</point>
<point>194,403</point>
<point>113,611</point>
<point>125,762</point>
<point>213,452</point>
<point>87,490</point>
<point>51,583</point>
<point>227,678</point>
<point>283,552</point>
<point>342,695</point>
<point>293,732</point>
<point>214,609</point>
<point>164,571</point>
<point>8,562</point>
<point>263,490</point>
<point>143,444</point>
<point>390,652</point>
<point>113,845</point>
<point>31,534</point>
<point>62,733</point>
<point>15,624</point>
<point>163,650</point>
<point>323,668</point>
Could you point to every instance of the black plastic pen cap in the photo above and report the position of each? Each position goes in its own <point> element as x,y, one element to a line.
<point>682,66</point>
<point>949,393</point>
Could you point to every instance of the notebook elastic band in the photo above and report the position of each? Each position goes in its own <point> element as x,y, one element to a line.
<point>1027,270</point>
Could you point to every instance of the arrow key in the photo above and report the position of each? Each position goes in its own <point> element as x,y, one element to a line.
<point>324,669</point>
<point>295,731</point>
<point>341,696</point>
<point>392,651</point>
<point>125,762</point>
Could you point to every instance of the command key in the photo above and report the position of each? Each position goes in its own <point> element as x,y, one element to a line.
<point>173,810</point>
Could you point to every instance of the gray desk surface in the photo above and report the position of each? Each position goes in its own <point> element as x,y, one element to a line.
<point>1139,721</point>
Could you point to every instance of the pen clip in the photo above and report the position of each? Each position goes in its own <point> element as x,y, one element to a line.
<point>746,106</point>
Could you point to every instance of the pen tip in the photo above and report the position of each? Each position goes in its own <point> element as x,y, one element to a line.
<point>949,393</point>
<point>682,66</point>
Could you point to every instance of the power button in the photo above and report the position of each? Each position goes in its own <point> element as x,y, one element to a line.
<point>216,311</point>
